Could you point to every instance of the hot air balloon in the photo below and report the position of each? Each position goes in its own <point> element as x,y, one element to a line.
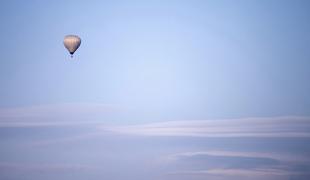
<point>72,43</point>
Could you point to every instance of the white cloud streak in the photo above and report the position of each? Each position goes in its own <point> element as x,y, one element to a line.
<point>243,127</point>
<point>242,172</point>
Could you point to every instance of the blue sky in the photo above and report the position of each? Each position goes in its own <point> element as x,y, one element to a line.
<point>179,59</point>
<point>157,90</point>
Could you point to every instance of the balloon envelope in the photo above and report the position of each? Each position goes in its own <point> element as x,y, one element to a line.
<point>72,43</point>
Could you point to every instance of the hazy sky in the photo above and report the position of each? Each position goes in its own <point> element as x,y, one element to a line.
<point>174,89</point>
<point>170,60</point>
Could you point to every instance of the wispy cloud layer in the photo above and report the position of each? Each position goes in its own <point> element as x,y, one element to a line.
<point>44,166</point>
<point>243,127</point>
<point>236,165</point>
<point>242,172</point>
<point>239,154</point>
<point>98,148</point>
<point>55,114</point>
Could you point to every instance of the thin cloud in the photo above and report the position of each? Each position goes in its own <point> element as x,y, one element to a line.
<point>55,114</point>
<point>243,127</point>
<point>239,154</point>
<point>242,172</point>
<point>237,164</point>
<point>44,166</point>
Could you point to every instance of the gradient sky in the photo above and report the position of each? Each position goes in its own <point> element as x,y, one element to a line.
<point>174,89</point>
<point>171,60</point>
